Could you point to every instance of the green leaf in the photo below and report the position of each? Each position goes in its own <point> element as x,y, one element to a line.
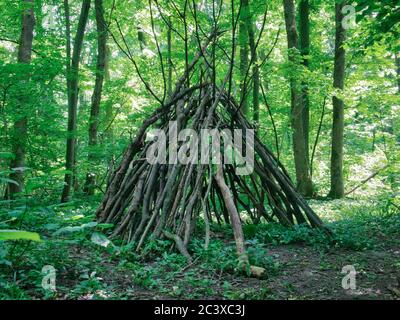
<point>18,235</point>
<point>6,155</point>
<point>75,228</point>
<point>21,169</point>
<point>100,239</point>
<point>105,226</point>
<point>9,181</point>
<point>51,226</point>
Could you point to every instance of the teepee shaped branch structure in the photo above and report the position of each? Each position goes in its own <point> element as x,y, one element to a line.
<point>165,200</point>
<point>156,200</point>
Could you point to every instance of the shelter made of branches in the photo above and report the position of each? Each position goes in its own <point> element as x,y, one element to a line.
<point>146,200</point>
<point>161,200</point>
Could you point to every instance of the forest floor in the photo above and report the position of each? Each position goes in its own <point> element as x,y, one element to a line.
<point>304,273</point>
<point>300,263</point>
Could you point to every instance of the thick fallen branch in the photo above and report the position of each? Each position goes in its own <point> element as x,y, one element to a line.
<point>234,217</point>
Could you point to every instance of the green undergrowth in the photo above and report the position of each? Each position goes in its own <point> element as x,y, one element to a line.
<point>90,266</point>
<point>355,226</point>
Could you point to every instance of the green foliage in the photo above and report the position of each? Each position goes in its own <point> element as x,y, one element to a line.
<point>145,277</point>
<point>248,294</point>
<point>82,228</point>
<point>18,235</point>
<point>383,17</point>
<point>277,234</point>
<point>90,284</point>
<point>259,256</point>
<point>80,249</point>
<point>12,291</point>
<point>355,228</point>
<point>217,256</point>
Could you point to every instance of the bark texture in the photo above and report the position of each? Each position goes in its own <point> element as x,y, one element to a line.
<point>304,184</point>
<point>397,60</point>
<point>244,55</point>
<point>20,129</point>
<point>337,183</point>
<point>97,92</point>
<point>304,30</point>
<point>72,83</point>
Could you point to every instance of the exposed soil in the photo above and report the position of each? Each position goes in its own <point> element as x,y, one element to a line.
<point>304,273</point>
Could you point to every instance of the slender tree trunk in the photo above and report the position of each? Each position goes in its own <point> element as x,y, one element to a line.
<point>73,100</point>
<point>108,107</point>
<point>304,183</point>
<point>244,55</point>
<point>169,58</point>
<point>68,45</point>
<point>397,58</point>
<point>96,97</point>
<point>337,184</point>
<point>20,129</point>
<point>256,72</point>
<point>82,105</point>
<point>109,116</point>
<point>141,38</point>
<point>304,28</point>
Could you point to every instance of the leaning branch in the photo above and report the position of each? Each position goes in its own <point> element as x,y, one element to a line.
<point>366,180</point>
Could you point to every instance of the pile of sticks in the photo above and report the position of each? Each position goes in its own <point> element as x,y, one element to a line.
<point>146,200</point>
<point>160,200</point>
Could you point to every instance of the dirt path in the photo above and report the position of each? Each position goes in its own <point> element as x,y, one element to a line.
<point>303,273</point>
<point>309,274</point>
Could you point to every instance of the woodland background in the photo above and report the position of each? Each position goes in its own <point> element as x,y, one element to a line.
<point>74,89</point>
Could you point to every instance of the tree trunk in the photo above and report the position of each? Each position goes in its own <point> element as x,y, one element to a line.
<point>73,100</point>
<point>256,72</point>
<point>108,107</point>
<point>169,58</point>
<point>304,29</point>
<point>233,216</point>
<point>304,183</point>
<point>96,98</point>
<point>141,38</point>
<point>109,118</point>
<point>244,56</point>
<point>397,58</point>
<point>68,45</point>
<point>337,185</point>
<point>20,130</point>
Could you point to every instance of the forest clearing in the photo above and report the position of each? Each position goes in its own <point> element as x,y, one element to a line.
<point>199,150</point>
